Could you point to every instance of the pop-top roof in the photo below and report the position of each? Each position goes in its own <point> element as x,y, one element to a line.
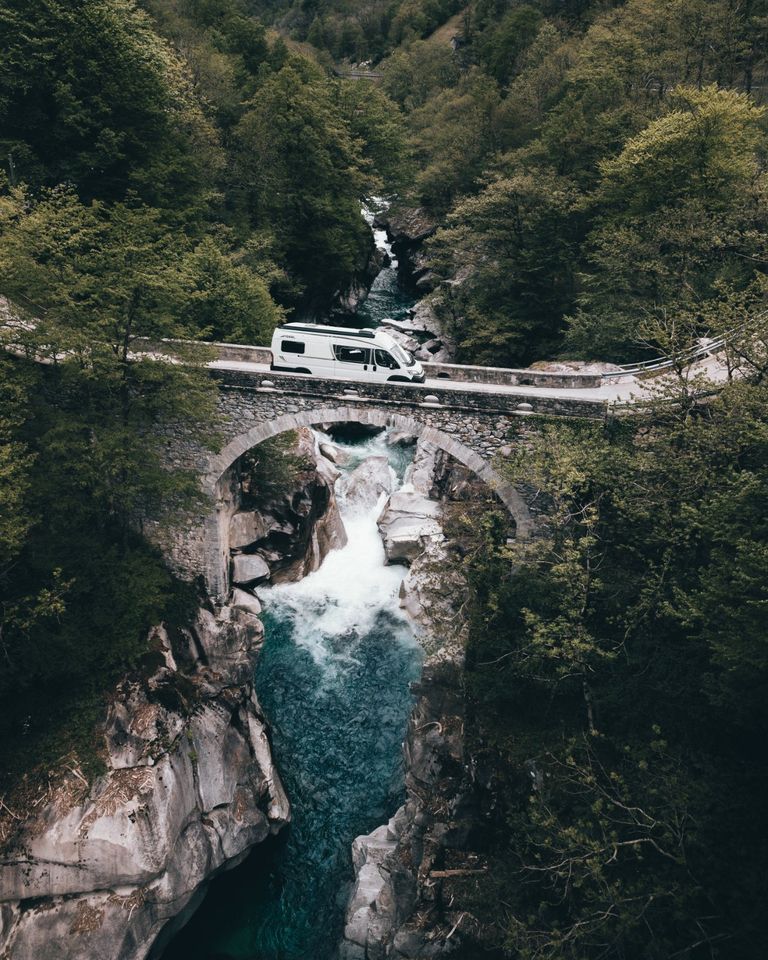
<point>322,330</point>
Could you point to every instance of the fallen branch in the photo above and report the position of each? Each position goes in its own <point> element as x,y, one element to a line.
<point>5,806</point>
<point>455,926</point>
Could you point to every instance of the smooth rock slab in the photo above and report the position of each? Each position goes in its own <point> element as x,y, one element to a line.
<point>366,483</point>
<point>249,567</point>
<point>245,600</point>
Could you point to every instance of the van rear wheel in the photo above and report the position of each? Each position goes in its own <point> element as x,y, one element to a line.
<point>278,369</point>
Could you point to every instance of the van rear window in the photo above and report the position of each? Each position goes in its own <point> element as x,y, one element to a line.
<point>292,346</point>
<point>352,354</point>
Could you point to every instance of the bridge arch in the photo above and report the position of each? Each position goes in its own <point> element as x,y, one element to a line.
<point>217,552</point>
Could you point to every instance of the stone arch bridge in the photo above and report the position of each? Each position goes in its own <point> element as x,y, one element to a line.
<point>469,424</point>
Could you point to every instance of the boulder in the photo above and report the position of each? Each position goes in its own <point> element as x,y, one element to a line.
<point>407,521</point>
<point>245,600</point>
<point>335,454</point>
<point>249,567</point>
<point>398,438</point>
<point>421,472</point>
<point>407,224</point>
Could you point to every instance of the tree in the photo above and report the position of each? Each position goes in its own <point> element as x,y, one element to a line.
<point>88,456</point>
<point>455,134</point>
<point>90,94</point>
<point>94,281</point>
<point>303,175</point>
<point>681,211</point>
<point>228,301</point>
<point>376,122</point>
<point>618,692</point>
<point>515,243</point>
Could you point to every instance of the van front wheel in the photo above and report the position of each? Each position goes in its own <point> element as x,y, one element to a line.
<point>397,379</point>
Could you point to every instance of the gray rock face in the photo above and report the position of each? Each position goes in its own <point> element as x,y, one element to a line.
<point>97,870</point>
<point>407,224</point>
<point>410,519</point>
<point>296,527</point>
<point>245,600</point>
<point>421,472</point>
<point>374,906</point>
<point>246,528</point>
<point>422,333</point>
<point>432,594</point>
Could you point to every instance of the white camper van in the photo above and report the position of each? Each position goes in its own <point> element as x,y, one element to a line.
<point>342,353</point>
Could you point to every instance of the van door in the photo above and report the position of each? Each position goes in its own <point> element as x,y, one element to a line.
<point>385,366</point>
<point>352,362</point>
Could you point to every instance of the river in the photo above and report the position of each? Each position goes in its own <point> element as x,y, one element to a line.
<point>333,680</point>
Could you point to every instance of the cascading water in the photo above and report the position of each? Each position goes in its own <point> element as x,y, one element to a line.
<point>389,298</point>
<point>333,681</point>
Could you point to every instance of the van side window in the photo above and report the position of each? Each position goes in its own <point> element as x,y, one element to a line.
<point>351,354</point>
<point>384,359</point>
<point>292,346</point>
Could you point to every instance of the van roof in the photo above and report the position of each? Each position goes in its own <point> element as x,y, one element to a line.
<point>320,330</point>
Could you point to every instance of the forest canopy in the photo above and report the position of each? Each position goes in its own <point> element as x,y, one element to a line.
<point>594,172</point>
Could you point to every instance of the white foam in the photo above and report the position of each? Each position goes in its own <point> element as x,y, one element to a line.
<point>337,604</point>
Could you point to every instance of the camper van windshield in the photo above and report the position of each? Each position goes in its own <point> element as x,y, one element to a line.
<point>402,355</point>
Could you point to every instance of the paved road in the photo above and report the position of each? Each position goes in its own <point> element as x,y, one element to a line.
<point>614,389</point>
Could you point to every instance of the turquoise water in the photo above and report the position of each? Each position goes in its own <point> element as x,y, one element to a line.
<point>333,680</point>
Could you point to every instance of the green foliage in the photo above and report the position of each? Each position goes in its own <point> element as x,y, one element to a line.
<point>82,438</point>
<point>645,113</point>
<point>617,684</point>
<point>454,133</point>
<point>15,463</point>
<point>705,149</point>
<point>270,471</point>
<point>500,48</point>
<point>376,122</point>
<point>302,171</point>
<point>229,301</point>
<point>90,94</point>
<point>516,242</point>
<point>682,213</point>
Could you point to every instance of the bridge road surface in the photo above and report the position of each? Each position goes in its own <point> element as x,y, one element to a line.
<point>617,389</point>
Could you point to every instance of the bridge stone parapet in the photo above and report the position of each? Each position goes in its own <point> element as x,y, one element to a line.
<point>416,394</point>
<point>241,353</point>
<point>514,378</point>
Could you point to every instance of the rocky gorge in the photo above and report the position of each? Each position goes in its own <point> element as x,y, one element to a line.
<point>115,864</point>
<point>100,867</point>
